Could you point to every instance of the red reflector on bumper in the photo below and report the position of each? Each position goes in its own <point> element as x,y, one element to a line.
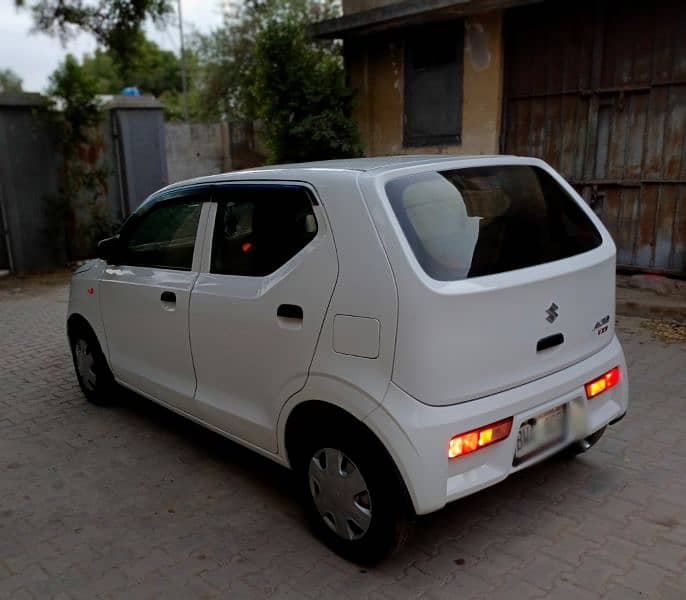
<point>479,438</point>
<point>603,383</point>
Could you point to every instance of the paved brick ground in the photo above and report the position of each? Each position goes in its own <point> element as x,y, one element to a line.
<point>132,501</point>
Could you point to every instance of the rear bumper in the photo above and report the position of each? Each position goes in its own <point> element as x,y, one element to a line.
<point>417,435</point>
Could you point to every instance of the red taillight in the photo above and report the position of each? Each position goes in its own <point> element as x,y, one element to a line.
<point>603,383</point>
<point>479,438</point>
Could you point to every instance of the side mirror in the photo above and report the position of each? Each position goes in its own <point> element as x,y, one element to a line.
<point>108,249</point>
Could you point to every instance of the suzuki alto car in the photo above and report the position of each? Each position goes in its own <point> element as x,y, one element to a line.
<point>401,332</point>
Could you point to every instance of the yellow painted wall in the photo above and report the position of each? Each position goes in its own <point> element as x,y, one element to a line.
<point>376,70</point>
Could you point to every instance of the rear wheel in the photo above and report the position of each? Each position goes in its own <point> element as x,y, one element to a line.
<point>353,495</point>
<point>91,367</point>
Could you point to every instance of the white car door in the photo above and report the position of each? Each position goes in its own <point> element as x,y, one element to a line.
<point>144,299</point>
<point>257,309</point>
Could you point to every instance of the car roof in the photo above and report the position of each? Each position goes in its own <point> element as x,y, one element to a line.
<point>304,171</point>
<point>366,164</point>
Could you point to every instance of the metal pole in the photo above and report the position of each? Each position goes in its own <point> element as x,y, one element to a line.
<point>184,80</point>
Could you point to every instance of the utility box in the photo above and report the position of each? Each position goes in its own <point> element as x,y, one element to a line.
<point>138,142</point>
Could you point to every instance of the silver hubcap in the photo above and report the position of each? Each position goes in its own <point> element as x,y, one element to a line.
<point>85,362</point>
<point>340,493</point>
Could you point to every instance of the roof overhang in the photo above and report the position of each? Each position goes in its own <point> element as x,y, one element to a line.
<point>405,14</point>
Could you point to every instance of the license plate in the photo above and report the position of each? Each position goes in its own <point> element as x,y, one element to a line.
<point>540,432</point>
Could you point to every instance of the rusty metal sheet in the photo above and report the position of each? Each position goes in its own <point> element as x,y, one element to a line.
<point>566,162</point>
<point>537,126</point>
<point>677,261</point>
<point>664,223</point>
<point>645,238</point>
<point>627,225</point>
<point>618,141</point>
<point>654,138</point>
<point>637,109</point>
<point>675,132</point>
<point>626,59</point>
<point>552,138</point>
<point>521,140</point>
<point>598,89</point>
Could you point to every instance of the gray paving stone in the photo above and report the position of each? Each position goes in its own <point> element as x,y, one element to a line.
<point>132,501</point>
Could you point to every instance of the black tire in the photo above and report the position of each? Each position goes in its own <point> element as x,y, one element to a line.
<point>586,444</point>
<point>92,371</point>
<point>389,520</point>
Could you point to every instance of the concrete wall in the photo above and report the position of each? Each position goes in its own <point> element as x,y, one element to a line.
<point>196,149</point>
<point>36,231</point>
<point>375,68</point>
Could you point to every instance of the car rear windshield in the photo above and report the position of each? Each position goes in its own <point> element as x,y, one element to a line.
<point>484,220</point>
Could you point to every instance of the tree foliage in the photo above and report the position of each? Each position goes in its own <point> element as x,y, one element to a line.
<point>76,119</point>
<point>9,81</point>
<point>115,24</point>
<point>261,64</point>
<point>149,68</point>
<point>227,55</point>
<point>300,95</point>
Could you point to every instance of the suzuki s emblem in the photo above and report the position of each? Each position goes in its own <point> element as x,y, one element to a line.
<point>552,313</point>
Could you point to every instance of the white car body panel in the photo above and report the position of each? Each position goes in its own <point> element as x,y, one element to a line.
<point>248,361</point>
<point>417,360</point>
<point>499,318</point>
<point>147,338</point>
<point>419,433</point>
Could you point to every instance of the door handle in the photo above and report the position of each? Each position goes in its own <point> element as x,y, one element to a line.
<point>168,297</point>
<point>550,342</point>
<point>290,311</point>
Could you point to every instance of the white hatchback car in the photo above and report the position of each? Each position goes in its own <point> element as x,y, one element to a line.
<point>402,331</point>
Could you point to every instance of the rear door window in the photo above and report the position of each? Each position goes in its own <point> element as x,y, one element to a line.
<point>258,229</point>
<point>484,220</point>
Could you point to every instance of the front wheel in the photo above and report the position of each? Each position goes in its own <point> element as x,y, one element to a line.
<point>92,371</point>
<point>354,497</point>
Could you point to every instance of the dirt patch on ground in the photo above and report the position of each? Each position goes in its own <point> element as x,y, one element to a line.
<point>671,332</point>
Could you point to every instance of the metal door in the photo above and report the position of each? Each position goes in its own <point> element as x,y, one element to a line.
<point>598,90</point>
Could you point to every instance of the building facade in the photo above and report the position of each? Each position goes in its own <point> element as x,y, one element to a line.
<point>595,87</point>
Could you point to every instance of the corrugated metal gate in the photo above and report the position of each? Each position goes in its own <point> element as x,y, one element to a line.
<point>598,89</point>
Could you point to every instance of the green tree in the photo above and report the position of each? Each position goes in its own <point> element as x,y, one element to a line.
<point>226,56</point>
<point>149,68</point>
<point>261,64</point>
<point>78,214</point>
<point>115,24</point>
<point>9,81</point>
<point>300,95</point>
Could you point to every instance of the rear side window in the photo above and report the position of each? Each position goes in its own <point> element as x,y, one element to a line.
<point>484,220</point>
<point>259,229</point>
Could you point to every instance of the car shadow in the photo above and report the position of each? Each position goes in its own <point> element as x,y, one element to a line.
<point>470,528</point>
<point>243,461</point>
